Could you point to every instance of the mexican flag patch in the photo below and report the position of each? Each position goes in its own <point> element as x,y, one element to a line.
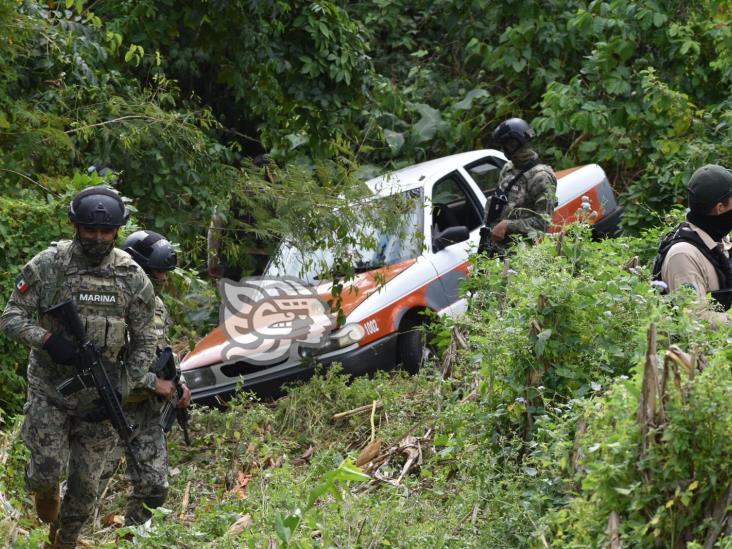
<point>21,285</point>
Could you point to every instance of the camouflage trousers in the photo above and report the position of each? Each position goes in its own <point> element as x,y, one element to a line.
<point>150,483</point>
<point>57,438</point>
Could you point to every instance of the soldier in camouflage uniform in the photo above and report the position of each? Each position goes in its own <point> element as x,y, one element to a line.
<point>116,302</point>
<point>150,484</point>
<point>526,188</point>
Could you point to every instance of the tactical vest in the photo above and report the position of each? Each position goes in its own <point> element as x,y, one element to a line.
<point>101,294</point>
<point>717,258</point>
<point>498,200</point>
<point>513,191</point>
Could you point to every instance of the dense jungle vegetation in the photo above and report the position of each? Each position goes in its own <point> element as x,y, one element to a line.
<point>584,410</point>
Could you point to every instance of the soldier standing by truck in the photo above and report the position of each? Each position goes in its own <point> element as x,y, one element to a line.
<point>524,200</point>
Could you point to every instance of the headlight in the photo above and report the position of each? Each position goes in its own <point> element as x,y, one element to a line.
<point>348,335</point>
<point>199,378</point>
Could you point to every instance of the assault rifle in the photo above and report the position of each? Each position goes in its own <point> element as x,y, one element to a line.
<point>496,204</point>
<point>92,373</point>
<point>165,369</point>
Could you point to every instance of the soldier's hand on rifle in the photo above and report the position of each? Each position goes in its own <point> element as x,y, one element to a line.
<point>165,388</point>
<point>185,398</point>
<point>499,231</point>
<point>60,349</point>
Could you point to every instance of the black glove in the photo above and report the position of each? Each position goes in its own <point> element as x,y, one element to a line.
<point>485,245</point>
<point>60,349</point>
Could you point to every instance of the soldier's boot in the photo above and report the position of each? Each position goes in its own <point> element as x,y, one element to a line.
<point>48,504</point>
<point>55,542</point>
<point>137,508</point>
<point>62,541</point>
<point>51,536</point>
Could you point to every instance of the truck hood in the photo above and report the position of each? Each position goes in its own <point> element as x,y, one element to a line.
<point>209,350</point>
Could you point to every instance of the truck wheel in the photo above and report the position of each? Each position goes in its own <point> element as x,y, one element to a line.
<point>412,349</point>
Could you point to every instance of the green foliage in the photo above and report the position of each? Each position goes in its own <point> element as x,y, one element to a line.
<point>667,495</point>
<point>558,325</point>
<point>13,456</point>
<point>533,441</point>
<point>556,338</point>
<point>26,228</point>
<point>286,526</point>
<point>69,106</point>
<point>71,102</point>
<point>638,87</point>
<point>643,102</point>
<point>297,73</point>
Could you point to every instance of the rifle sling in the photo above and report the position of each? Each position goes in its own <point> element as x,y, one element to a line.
<point>498,199</point>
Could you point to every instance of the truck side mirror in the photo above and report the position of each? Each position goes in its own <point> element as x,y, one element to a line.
<point>451,235</point>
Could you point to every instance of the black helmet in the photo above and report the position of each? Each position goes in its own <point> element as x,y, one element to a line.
<point>151,251</point>
<point>98,206</point>
<point>707,186</point>
<point>104,171</point>
<point>513,128</point>
<point>261,160</point>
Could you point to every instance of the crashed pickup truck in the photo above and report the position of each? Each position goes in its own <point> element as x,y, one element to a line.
<point>384,304</point>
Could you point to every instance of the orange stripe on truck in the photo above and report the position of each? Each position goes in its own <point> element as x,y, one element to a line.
<point>567,213</point>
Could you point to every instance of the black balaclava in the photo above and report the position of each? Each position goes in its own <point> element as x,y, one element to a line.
<point>716,226</point>
<point>707,187</point>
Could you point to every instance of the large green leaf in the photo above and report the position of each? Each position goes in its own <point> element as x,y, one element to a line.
<point>395,140</point>
<point>429,124</point>
<point>466,103</point>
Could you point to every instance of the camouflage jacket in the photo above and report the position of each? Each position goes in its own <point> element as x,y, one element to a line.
<point>531,198</point>
<point>162,323</point>
<point>115,300</point>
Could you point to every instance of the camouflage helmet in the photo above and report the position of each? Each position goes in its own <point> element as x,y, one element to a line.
<point>516,129</point>
<point>151,251</point>
<point>98,206</point>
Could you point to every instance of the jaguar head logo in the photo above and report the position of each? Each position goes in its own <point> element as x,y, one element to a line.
<point>265,318</point>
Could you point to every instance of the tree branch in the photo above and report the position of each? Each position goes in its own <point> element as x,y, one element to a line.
<point>113,121</point>
<point>36,183</point>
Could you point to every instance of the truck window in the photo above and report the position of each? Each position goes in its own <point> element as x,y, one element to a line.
<point>485,173</point>
<point>452,206</point>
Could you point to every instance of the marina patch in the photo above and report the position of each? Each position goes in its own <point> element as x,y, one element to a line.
<point>96,298</point>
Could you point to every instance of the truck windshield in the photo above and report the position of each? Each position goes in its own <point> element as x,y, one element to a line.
<point>376,242</point>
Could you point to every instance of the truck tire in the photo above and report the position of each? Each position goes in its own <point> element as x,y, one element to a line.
<point>412,349</point>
